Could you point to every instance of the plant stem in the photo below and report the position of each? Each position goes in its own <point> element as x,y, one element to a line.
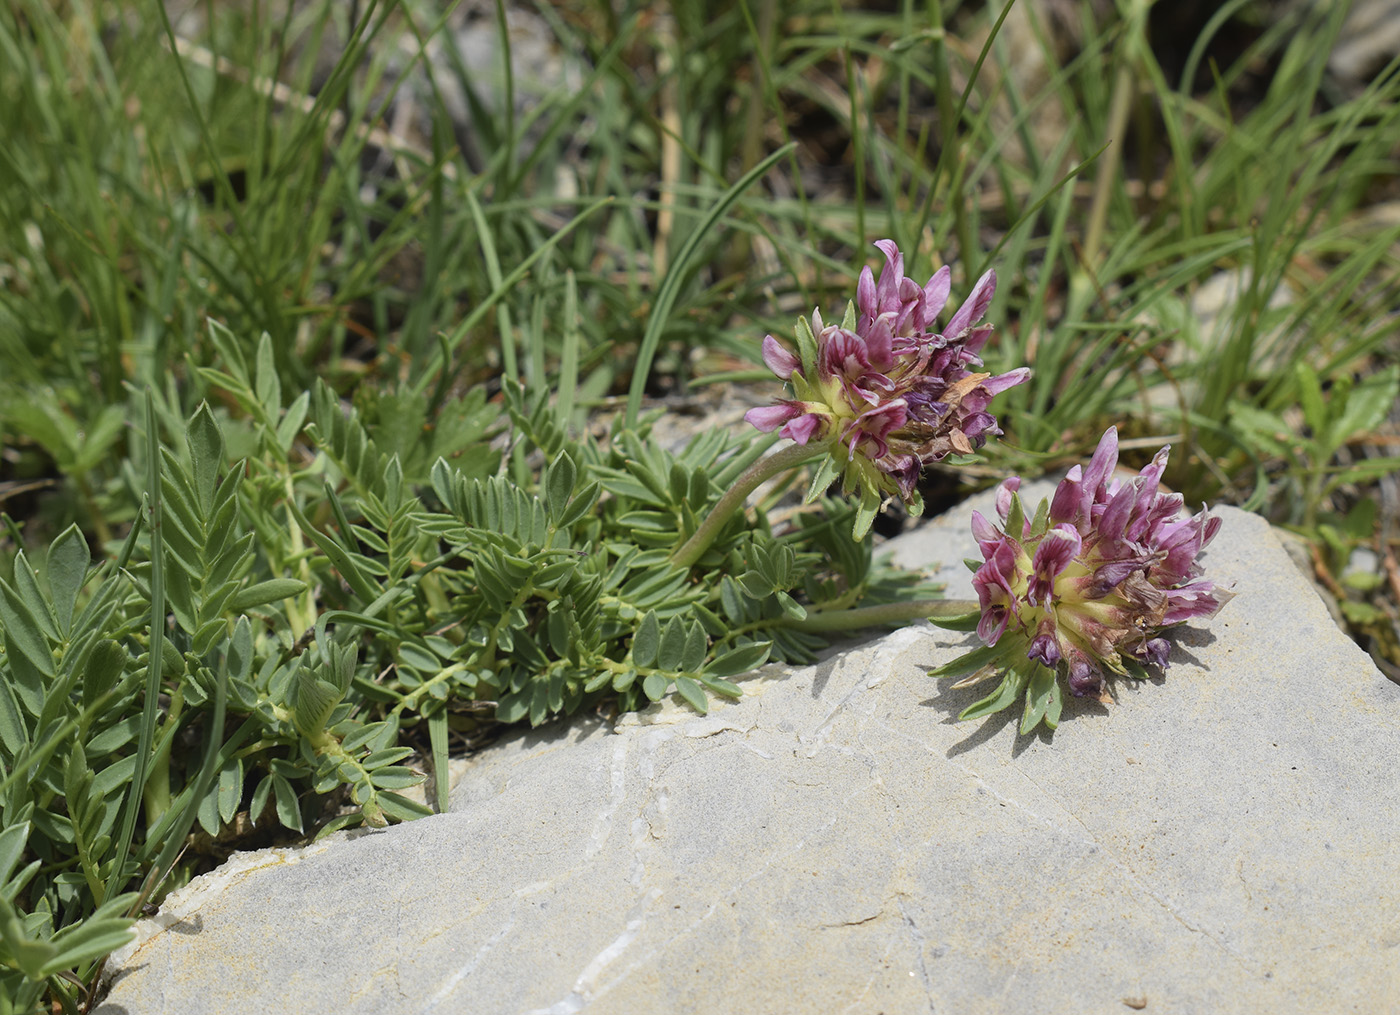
<point>881,615</point>
<point>765,468</point>
<point>300,615</point>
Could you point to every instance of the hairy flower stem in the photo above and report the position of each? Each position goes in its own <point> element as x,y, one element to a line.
<point>882,615</point>
<point>765,468</point>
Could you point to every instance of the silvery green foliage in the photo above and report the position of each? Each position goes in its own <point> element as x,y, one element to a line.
<point>322,610</point>
<point>557,592</point>
<point>67,680</point>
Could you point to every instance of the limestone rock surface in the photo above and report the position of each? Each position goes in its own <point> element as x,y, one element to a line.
<point>1219,840</point>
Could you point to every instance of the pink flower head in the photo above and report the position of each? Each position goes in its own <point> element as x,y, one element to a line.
<point>1087,587</point>
<point>886,391</point>
<point>908,308</point>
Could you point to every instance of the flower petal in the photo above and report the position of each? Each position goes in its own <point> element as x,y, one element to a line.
<point>1155,650</point>
<point>1180,542</point>
<point>973,342</point>
<point>993,624</point>
<point>841,353</point>
<point>936,294</point>
<point>865,293</point>
<point>887,292</point>
<point>1045,647</point>
<point>1199,599</point>
<point>1057,548</point>
<point>996,385</point>
<point>1114,520</point>
<point>994,594</point>
<point>769,417</point>
<point>1005,489</point>
<point>1109,576</point>
<point>1065,506</point>
<point>1085,678</point>
<point>985,533</point>
<point>974,306</point>
<point>1105,459</point>
<point>803,428</point>
<point>779,360</point>
<point>879,343</point>
<point>1078,491</point>
<point>904,470</point>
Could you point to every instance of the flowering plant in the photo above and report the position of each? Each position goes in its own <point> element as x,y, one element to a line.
<point>1085,587</point>
<point>884,393</point>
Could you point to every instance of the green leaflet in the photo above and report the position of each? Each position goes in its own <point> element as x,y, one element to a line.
<point>1013,682</point>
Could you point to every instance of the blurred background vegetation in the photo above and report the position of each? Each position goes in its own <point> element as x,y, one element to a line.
<point>1193,210</point>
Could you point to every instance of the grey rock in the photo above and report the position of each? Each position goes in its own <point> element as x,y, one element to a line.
<point>1370,38</point>
<point>1219,840</point>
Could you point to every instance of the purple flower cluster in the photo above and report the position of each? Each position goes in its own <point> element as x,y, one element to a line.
<point>884,390</point>
<point>1091,581</point>
<point>1082,589</point>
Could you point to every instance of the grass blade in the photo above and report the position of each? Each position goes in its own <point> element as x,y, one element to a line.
<point>156,649</point>
<point>671,284</point>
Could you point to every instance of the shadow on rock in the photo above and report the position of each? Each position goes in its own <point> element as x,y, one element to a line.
<point>574,728</point>
<point>1189,637</point>
<point>189,926</point>
<point>824,669</point>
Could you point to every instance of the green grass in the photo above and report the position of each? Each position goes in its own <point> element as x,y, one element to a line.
<point>175,232</point>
